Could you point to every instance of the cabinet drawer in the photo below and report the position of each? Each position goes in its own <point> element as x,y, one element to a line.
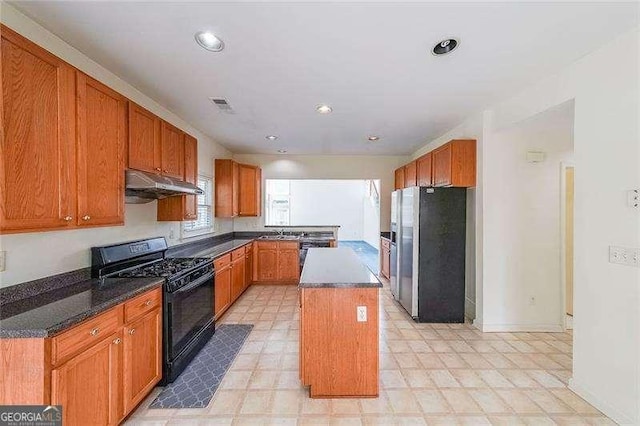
<point>268,245</point>
<point>88,333</point>
<point>221,262</point>
<point>288,245</point>
<point>237,254</point>
<point>142,304</point>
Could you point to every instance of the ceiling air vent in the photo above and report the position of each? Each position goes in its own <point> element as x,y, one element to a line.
<point>222,105</point>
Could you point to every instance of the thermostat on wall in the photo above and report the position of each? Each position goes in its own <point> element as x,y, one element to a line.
<point>535,157</point>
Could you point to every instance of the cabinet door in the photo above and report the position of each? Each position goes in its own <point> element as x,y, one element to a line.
<point>89,386</point>
<point>172,140</point>
<point>37,150</point>
<point>442,166</point>
<point>144,140</point>
<point>399,178</point>
<point>235,190</point>
<point>288,265</point>
<point>249,188</point>
<point>190,175</point>
<point>267,264</point>
<point>142,358</point>
<point>102,126</point>
<point>248,266</point>
<point>226,188</point>
<point>410,175</point>
<point>424,170</point>
<point>222,294</point>
<point>237,278</point>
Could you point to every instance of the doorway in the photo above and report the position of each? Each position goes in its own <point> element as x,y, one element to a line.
<point>567,214</point>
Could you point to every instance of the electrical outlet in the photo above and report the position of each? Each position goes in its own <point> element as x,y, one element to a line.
<point>633,198</point>
<point>624,256</point>
<point>362,313</point>
<point>172,234</point>
<point>532,300</point>
<point>3,260</point>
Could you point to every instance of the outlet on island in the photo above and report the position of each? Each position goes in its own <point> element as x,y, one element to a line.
<point>362,313</point>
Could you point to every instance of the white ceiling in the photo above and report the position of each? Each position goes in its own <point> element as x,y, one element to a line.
<point>370,61</point>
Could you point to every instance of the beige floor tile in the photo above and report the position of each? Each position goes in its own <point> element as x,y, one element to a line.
<point>545,379</point>
<point>418,378</point>
<point>312,406</point>
<point>452,360</point>
<point>461,401</point>
<point>468,378</point>
<point>430,361</point>
<point>256,402</point>
<point>286,402</point>
<point>489,401</point>
<point>392,379</point>
<point>345,406</point>
<point>403,401</point>
<point>236,379</point>
<point>494,379</point>
<point>226,402</point>
<point>432,401</point>
<point>263,379</point>
<point>519,401</point>
<point>378,405</point>
<point>548,402</point>
<point>407,360</point>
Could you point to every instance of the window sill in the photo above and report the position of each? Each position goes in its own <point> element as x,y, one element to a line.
<point>185,235</point>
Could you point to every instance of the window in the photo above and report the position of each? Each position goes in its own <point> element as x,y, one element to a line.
<point>204,223</point>
<point>278,202</point>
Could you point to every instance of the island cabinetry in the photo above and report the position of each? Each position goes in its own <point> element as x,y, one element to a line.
<point>339,325</point>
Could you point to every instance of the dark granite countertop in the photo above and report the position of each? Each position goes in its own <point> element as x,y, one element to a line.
<point>49,313</point>
<point>214,251</point>
<point>337,267</point>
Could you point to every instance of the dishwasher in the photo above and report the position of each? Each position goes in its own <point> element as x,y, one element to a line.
<point>306,245</point>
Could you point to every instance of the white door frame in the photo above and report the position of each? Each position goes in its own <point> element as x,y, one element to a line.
<point>563,210</point>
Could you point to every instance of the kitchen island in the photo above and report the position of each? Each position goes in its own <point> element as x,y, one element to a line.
<point>339,325</point>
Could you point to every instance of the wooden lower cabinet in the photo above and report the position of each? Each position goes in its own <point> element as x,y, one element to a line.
<point>89,385</point>
<point>222,291</point>
<point>248,266</point>
<point>98,370</point>
<point>237,277</point>
<point>277,262</point>
<point>385,257</point>
<point>142,357</point>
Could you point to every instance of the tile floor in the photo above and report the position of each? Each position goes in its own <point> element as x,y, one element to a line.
<point>435,374</point>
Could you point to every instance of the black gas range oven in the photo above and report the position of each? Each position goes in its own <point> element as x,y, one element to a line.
<point>188,298</point>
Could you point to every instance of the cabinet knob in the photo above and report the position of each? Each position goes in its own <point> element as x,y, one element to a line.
<point>158,169</point>
<point>147,303</point>
<point>132,331</point>
<point>86,217</point>
<point>95,331</point>
<point>117,341</point>
<point>67,218</point>
<point>165,171</point>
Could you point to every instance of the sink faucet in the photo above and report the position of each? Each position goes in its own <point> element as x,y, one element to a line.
<point>281,232</point>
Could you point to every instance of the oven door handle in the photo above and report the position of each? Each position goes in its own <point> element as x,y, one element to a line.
<point>195,283</point>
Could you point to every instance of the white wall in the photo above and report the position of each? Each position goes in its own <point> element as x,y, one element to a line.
<point>325,167</point>
<point>329,202</point>
<point>522,223</point>
<point>36,255</point>
<point>604,86</point>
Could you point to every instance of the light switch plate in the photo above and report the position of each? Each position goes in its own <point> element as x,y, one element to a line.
<point>362,313</point>
<point>624,256</point>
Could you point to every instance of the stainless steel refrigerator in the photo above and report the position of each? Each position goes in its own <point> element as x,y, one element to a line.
<point>429,273</point>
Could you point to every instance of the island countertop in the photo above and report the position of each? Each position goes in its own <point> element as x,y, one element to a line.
<point>337,267</point>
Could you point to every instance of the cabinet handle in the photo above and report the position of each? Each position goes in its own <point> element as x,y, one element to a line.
<point>117,341</point>
<point>95,331</point>
<point>148,303</point>
<point>86,217</point>
<point>165,171</point>
<point>132,331</point>
<point>158,169</point>
<point>67,218</point>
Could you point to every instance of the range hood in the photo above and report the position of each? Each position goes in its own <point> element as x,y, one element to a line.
<point>143,187</point>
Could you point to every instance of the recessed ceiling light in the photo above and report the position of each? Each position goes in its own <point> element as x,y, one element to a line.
<point>282,151</point>
<point>445,46</point>
<point>271,137</point>
<point>209,41</point>
<point>373,138</point>
<point>324,109</point>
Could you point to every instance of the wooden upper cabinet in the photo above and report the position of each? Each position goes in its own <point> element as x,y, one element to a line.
<point>399,178</point>
<point>102,133</point>
<point>250,190</point>
<point>172,151</point>
<point>423,166</point>
<point>454,164</point>
<point>226,188</point>
<point>183,207</point>
<point>144,140</point>
<point>410,175</point>
<point>37,150</point>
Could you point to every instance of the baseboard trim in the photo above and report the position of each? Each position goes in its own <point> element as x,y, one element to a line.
<point>525,328</point>
<point>604,406</point>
